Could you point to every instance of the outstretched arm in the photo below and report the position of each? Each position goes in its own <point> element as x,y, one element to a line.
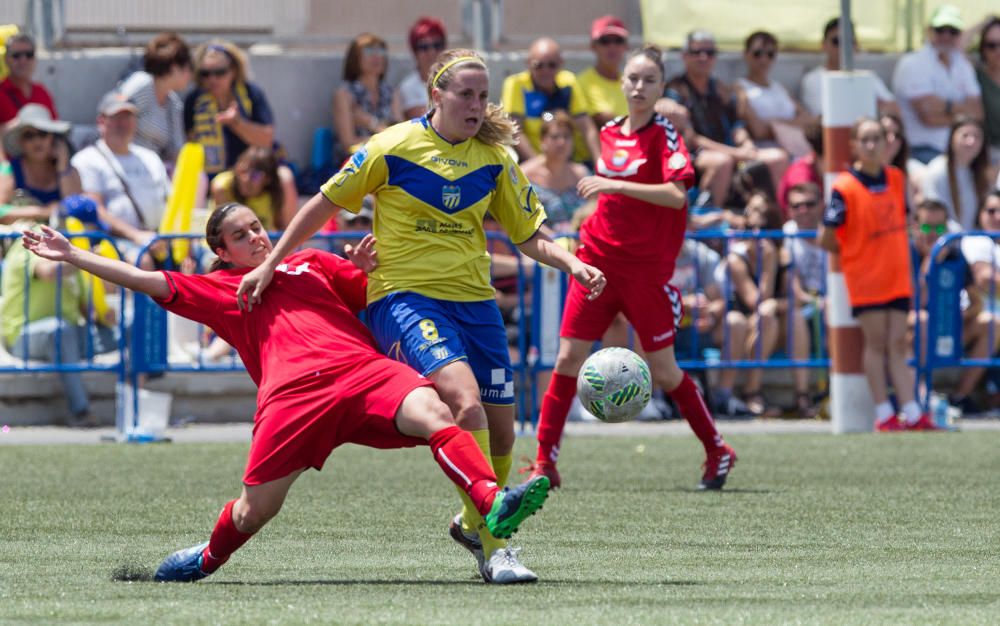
<point>51,245</point>
<point>541,248</point>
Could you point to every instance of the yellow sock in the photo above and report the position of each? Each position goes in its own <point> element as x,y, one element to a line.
<point>501,467</point>
<point>471,519</point>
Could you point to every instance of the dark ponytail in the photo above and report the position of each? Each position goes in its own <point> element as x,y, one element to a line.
<point>213,234</point>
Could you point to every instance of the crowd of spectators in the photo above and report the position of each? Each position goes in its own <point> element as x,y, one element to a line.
<point>757,149</point>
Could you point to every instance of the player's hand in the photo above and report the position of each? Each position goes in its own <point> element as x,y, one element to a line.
<point>252,287</point>
<point>364,255</point>
<point>591,278</point>
<point>590,186</point>
<point>47,244</point>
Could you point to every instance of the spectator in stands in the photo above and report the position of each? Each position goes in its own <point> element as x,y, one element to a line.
<point>45,316</point>
<point>866,223</point>
<point>758,275</point>
<point>155,90</point>
<point>807,263</point>
<point>959,179</point>
<point>807,169</point>
<point>988,73</point>
<point>226,113</point>
<point>40,174</point>
<point>18,89</point>
<point>773,116</point>
<point>706,320</point>
<point>897,150</point>
<point>717,133</point>
<point>128,182</point>
<point>934,84</point>
<point>428,39</point>
<point>812,82</point>
<point>553,175</point>
<point>260,182</point>
<point>601,82</point>
<point>364,104</point>
<point>978,255</point>
<point>545,86</point>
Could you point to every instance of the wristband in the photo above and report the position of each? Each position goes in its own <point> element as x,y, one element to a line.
<point>5,209</point>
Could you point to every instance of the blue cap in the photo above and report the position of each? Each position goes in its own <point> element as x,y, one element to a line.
<point>84,209</point>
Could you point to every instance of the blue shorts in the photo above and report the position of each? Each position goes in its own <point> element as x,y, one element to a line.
<point>428,334</point>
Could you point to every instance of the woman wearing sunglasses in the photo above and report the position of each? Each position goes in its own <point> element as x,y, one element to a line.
<point>364,104</point>
<point>866,224</point>
<point>226,113</point>
<point>39,174</point>
<point>988,73</point>
<point>428,39</point>
<point>259,181</point>
<point>767,98</point>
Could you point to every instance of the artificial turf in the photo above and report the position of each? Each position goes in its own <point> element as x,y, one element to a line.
<point>859,529</point>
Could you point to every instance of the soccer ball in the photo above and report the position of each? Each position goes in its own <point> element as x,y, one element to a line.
<point>614,384</point>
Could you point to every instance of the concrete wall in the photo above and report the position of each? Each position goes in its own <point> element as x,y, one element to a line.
<point>300,84</point>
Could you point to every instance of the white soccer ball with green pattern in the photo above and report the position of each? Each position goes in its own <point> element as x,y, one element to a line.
<point>614,384</point>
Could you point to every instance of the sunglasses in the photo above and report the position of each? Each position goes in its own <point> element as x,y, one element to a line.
<point>760,53</point>
<point>807,204</point>
<point>991,45</point>
<point>424,47</point>
<point>835,41</point>
<point>947,30</point>
<point>704,52</point>
<point>218,72</point>
<point>937,229</point>
<point>23,54</point>
<point>32,134</point>
<point>548,65</point>
<point>611,40</point>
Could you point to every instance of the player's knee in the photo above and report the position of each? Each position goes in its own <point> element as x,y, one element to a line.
<point>468,411</point>
<point>253,514</point>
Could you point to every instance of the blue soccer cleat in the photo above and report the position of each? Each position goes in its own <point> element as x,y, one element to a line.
<point>513,506</point>
<point>183,566</point>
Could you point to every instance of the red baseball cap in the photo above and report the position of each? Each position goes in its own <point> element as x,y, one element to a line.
<point>607,25</point>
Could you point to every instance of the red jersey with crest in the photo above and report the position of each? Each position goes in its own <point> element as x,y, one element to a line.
<point>633,235</point>
<point>305,322</point>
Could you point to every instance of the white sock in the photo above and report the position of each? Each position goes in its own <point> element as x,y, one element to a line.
<point>884,411</point>
<point>911,411</point>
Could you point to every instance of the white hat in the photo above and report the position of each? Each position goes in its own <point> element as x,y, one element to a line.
<point>30,116</point>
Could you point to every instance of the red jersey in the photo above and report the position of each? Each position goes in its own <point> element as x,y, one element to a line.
<point>12,100</point>
<point>304,324</point>
<point>630,233</point>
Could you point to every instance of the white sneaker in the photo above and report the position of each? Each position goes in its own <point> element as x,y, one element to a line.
<point>504,568</point>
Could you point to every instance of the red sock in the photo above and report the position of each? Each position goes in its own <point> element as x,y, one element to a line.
<point>225,540</point>
<point>458,454</point>
<point>552,419</point>
<point>692,407</point>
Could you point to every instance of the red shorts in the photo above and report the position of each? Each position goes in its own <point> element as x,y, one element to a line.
<point>300,426</point>
<point>654,309</point>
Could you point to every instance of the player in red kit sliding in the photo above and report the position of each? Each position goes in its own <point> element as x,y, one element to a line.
<point>634,237</point>
<point>321,382</point>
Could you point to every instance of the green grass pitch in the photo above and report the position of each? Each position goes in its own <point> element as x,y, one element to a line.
<point>859,529</point>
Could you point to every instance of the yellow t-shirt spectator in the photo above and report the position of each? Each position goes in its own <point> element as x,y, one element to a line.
<point>521,98</point>
<point>604,95</point>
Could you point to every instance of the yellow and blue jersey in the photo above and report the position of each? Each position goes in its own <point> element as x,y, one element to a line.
<point>520,97</point>
<point>431,197</point>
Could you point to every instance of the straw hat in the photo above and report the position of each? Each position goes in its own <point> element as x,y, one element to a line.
<point>30,116</point>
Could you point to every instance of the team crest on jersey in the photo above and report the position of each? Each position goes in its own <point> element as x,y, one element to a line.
<point>677,161</point>
<point>451,196</point>
<point>514,178</point>
<point>619,158</point>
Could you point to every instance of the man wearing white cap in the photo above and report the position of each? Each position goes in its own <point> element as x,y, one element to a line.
<point>934,84</point>
<point>128,181</point>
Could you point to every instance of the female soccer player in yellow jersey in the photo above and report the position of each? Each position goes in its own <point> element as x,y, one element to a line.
<point>430,301</point>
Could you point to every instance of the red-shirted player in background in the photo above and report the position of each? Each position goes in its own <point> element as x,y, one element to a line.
<point>321,381</point>
<point>634,237</point>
